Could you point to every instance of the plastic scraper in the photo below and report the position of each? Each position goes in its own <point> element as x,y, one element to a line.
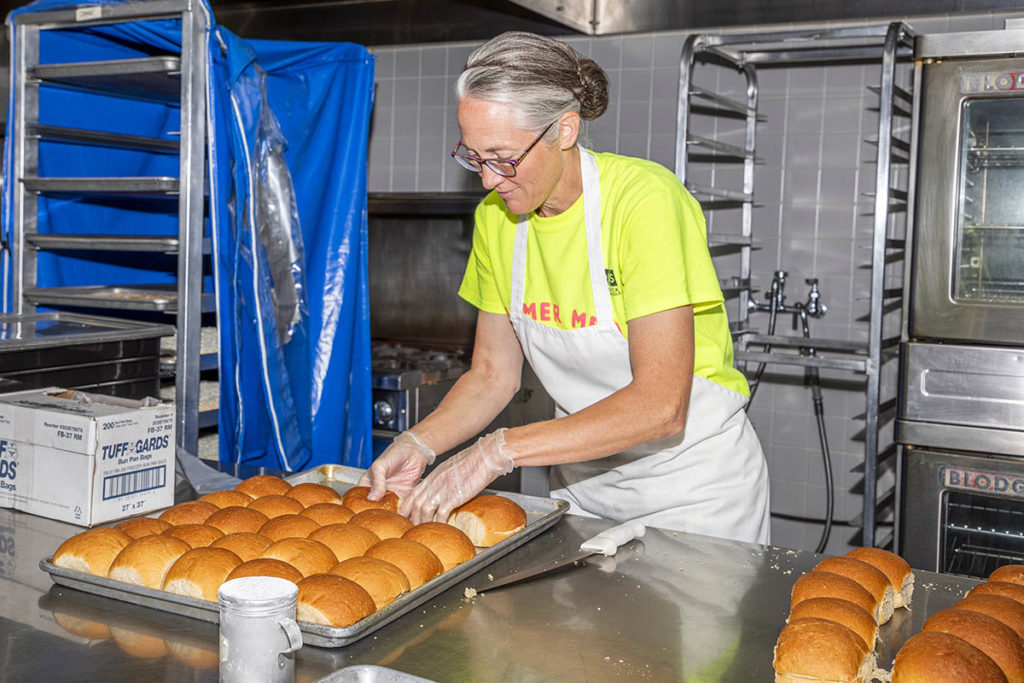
<point>607,542</point>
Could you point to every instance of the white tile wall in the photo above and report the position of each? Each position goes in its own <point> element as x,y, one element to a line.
<point>813,219</point>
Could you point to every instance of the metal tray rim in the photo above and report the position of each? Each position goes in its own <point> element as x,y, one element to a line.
<point>317,634</point>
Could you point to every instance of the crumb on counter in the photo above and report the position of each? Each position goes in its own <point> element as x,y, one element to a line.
<point>470,592</point>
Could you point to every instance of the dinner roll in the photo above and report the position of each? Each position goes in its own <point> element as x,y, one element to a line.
<point>873,580</point>
<point>1004,588</point>
<point>288,526</point>
<point>309,557</point>
<point>83,628</point>
<point>194,656</point>
<point>145,561</point>
<point>895,568</point>
<point>451,545</point>
<point>989,635</point>
<point>327,513</point>
<point>274,505</point>
<point>137,527</point>
<point>264,485</point>
<point>1011,573</point>
<point>382,580</point>
<point>384,523</point>
<point>227,498</point>
<point>818,584</point>
<point>191,512</point>
<point>936,657</point>
<point>415,560</point>
<point>234,519</point>
<point>355,500</point>
<point>196,535</point>
<point>842,612</point>
<point>266,566</point>
<point>332,600</point>
<point>200,572</point>
<point>247,546</point>
<point>312,494</point>
<point>488,519</point>
<point>137,644</point>
<point>346,540</point>
<point>812,649</point>
<point>1006,610</point>
<point>91,551</point>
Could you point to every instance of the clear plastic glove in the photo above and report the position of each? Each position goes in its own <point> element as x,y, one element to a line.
<point>398,468</point>
<point>459,478</point>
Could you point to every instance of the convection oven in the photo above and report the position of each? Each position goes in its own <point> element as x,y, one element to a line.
<point>961,413</point>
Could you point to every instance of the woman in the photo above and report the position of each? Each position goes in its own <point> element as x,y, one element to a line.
<point>594,268</point>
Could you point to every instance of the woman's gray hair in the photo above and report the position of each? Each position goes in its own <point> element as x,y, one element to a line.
<point>541,78</point>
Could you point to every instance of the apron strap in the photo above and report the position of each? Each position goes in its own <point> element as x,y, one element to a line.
<point>592,221</point>
<point>517,294</point>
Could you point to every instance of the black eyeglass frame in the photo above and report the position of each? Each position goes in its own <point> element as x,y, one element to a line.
<point>476,164</point>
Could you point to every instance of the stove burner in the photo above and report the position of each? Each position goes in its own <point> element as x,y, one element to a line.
<point>434,365</point>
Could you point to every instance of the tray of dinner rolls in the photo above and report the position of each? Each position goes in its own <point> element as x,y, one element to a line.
<point>357,563</point>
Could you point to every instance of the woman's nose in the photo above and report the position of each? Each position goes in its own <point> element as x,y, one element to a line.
<point>489,178</point>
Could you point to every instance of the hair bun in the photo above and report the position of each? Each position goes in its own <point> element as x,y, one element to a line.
<point>593,94</point>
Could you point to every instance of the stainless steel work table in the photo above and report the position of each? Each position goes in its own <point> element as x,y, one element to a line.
<point>671,606</point>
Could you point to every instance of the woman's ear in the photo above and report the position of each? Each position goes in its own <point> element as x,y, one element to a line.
<point>569,129</point>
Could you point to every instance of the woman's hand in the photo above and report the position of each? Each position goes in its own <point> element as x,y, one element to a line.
<point>458,479</point>
<point>398,468</point>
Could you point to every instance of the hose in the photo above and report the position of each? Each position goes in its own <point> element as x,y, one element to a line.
<point>755,382</point>
<point>819,413</point>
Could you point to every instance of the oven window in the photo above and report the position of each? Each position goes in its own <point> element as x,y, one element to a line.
<point>990,226</point>
<point>980,533</point>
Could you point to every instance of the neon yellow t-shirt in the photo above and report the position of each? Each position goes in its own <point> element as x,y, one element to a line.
<point>654,242</point>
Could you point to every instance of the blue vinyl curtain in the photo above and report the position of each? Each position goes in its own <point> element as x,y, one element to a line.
<point>287,136</point>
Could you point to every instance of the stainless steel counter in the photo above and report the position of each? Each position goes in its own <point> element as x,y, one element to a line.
<point>671,606</point>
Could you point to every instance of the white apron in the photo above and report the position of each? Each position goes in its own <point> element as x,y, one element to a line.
<point>711,479</point>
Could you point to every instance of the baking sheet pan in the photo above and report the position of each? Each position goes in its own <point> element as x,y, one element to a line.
<point>541,513</point>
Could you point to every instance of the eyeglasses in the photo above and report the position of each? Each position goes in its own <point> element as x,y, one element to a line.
<point>503,167</point>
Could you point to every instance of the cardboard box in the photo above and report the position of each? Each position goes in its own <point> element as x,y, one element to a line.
<point>85,458</point>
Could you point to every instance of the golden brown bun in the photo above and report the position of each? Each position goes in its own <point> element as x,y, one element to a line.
<point>138,644</point>
<point>451,545</point>
<point>382,580</point>
<point>1006,610</point>
<point>870,578</point>
<point>145,561</point>
<point>1011,573</point>
<point>328,513</point>
<point>274,505</point>
<point>384,523</point>
<point>200,572</point>
<point>346,540</point>
<point>91,551</point>
<point>142,526</point>
<point>309,557</point>
<point>192,512</point>
<point>195,657</point>
<point>196,535</point>
<point>895,568</point>
<point>1004,588</point>
<point>264,485</point>
<point>288,526</point>
<point>415,560</point>
<point>247,546</point>
<point>817,584</point>
<point>355,500</point>
<point>266,566</point>
<point>223,499</point>
<point>83,628</point>
<point>989,635</point>
<point>488,519</point>
<point>842,612</point>
<point>234,519</point>
<point>313,494</point>
<point>821,650</point>
<point>332,600</point>
<point>936,657</point>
